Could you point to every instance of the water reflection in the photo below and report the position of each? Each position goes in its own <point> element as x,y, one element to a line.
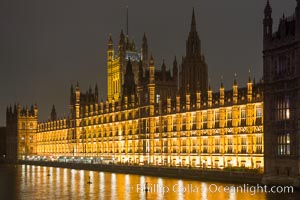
<point>34,182</point>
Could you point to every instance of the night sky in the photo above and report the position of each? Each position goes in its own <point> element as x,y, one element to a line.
<point>46,45</point>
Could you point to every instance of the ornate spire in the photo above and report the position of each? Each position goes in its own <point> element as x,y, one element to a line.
<point>249,79</point>
<point>222,85</point>
<point>235,81</point>
<point>129,84</point>
<point>145,51</point>
<point>163,67</point>
<point>268,9</point>
<point>193,46</point>
<point>141,72</point>
<point>193,23</point>
<point>175,62</point>
<point>96,88</point>
<point>175,67</point>
<point>151,60</point>
<point>53,113</point>
<point>144,38</point>
<point>110,41</point>
<point>122,38</point>
<point>72,89</point>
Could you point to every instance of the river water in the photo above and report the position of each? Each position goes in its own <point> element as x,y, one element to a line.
<point>35,182</point>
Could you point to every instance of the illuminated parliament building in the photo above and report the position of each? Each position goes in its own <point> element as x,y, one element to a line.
<point>151,116</point>
<point>168,115</point>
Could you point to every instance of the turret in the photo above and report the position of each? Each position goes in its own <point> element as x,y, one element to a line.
<point>175,70</point>
<point>110,49</point>
<point>222,94</point>
<point>53,114</point>
<point>18,109</point>
<point>145,51</point>
<point>235,90</point>
<point>31,113</point>
<point>141,72</point>
<point>163,70</point>
<point>209,95</point>
<point>77,93</point>
<point>77,102</point>
<point>198,97</point>
<point>177,102</point>
<point>268,24</point>
<point>71,94</point>
<point>151,70</point>
<point>122,43</point>
<point>96,93</point>
<point>249,90</point>
<point>188,98</point>
<point>151,84</point>
<point>169,104</point>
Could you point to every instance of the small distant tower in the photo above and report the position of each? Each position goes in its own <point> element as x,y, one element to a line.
<point>53,114</point>
<point>145,52</point>
<point>151,83</point>
<point>268,24</point>
<point>110,57</point>
<point>21,126</point>
<point>175,71</point>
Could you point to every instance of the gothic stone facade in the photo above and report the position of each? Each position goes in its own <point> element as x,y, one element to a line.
<point>282,97</point>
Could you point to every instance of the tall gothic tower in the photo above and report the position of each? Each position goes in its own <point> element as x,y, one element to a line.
<point>194,68</point>
<point>116,64</point>
<point>281,75</point>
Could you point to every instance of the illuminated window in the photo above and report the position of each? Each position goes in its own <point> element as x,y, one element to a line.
<point>283,108</point>
<point>259,112</point>
<point>244,145</point>
<point>204,120</point>
<point>217,145</point>
<point>23,125</point>
<point>243,113</point>
<point>229,118</point>
<point>204,117</point>
<point>193,120</point>
<point>229,114</point>
<point>284,142</point>
<point>243,116</point>
<point>217,118</point>
<point>157,98</point>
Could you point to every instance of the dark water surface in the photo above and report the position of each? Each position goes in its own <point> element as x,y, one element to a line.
<point>34,182</point>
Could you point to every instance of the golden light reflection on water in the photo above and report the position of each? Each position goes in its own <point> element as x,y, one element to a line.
<point>57,183</point>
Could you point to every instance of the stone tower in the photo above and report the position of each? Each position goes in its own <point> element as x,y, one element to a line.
<point>21,126</point>
<point>281,74</point>
<point>116,63</point>
<point>194,68</point>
